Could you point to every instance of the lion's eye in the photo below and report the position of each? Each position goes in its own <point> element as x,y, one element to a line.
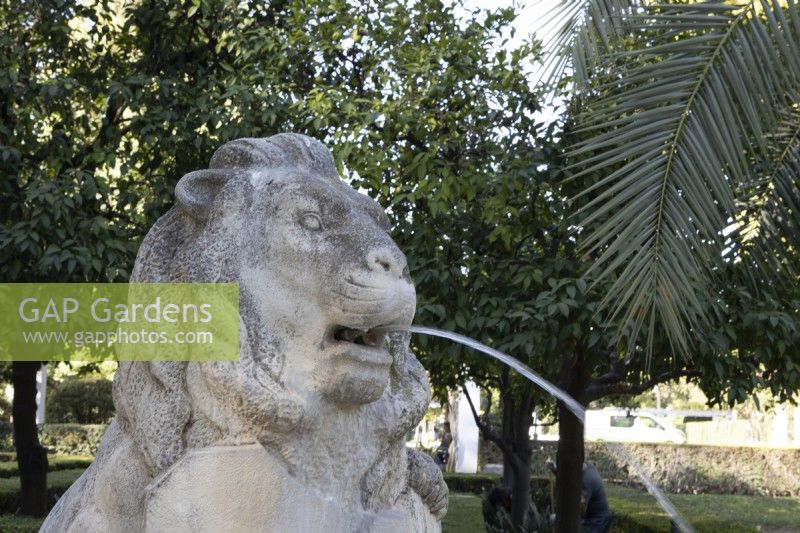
<point>311,221</point>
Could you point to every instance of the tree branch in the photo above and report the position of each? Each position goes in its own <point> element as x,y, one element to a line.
<point>598,389</point>
<point>616,373</point>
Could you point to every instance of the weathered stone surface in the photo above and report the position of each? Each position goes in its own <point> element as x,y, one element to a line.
<point>305,408</point>
<point>186,497</point>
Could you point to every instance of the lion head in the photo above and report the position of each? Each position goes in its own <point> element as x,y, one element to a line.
<point>319,277</point>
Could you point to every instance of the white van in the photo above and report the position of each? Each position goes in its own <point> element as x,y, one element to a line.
<point>619,425</point>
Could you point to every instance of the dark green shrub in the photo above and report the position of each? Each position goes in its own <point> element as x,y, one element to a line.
<point>80,400</point>
<point>6,438</point>
<point>5,409</point>
<point>479,484</point>
<point>72,439</point>
<point>473,483</point>
<point>685,468</point>
<point>498,520</point>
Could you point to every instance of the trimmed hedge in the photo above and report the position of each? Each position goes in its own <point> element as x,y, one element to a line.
<point>81,400</point>
<point>472,483</point>
<point>480,483</point>
<point>64,439</point>
<point>687,468</point>
<point>6,436</point>
<point>72,439</point>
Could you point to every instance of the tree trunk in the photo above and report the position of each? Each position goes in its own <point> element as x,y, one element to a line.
<point>507,427</point>
<point>569,471</point>
<point>570,455</point>
<point>31,456</point>
<point>522,417</point>
<point>514,442</point>
<point>521,484</point>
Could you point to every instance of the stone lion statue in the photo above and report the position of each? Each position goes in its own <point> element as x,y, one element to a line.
<point>306,430</point>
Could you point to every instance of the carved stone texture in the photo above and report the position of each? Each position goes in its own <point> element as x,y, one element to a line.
<point>307,427</point>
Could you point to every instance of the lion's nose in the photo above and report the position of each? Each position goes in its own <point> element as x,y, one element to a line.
<point>384,259</point>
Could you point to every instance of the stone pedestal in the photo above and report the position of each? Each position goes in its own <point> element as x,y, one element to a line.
<point>245,488</point>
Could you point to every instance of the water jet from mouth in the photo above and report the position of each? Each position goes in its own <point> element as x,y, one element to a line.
<point>571,403</point>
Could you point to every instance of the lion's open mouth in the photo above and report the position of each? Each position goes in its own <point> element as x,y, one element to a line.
<point>372,337</point>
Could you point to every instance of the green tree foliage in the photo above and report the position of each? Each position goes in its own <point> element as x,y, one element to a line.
<point>81,401</point>
<point>105,105</point>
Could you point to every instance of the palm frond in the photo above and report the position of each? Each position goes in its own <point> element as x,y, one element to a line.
<point>578,33</point>
<point>683,115</point>
<point>768,229</point>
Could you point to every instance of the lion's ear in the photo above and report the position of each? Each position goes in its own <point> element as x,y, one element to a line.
<point>195,192</point>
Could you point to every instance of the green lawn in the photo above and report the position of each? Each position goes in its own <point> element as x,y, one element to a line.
<point>19,524</point>
<point>8,467</point>
<point>709,512</point>
<point>463,515</point>
<point>61,480</point>
<point>637,511</point>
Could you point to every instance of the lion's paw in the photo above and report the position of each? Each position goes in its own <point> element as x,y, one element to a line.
<point>425,478</point>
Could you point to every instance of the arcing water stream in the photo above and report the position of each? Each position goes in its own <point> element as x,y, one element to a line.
<point>574,406</point>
